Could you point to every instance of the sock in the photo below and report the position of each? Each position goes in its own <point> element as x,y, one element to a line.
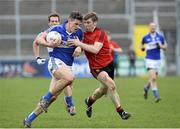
<point>69,101</point>
<point>119,110</point>
<point>146,88</point>
<point>31,117</point>
<point>48,96</point>
<point>90,101</point>
<point>155,92</point>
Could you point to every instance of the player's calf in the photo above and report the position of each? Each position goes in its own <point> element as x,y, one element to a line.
<point>44,104</point>
<point>145,94</point>
<point>146,88</point>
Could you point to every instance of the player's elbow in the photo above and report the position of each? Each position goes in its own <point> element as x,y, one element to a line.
<point>95,50</point>
<point>165,47</point>
<point>35,43</point>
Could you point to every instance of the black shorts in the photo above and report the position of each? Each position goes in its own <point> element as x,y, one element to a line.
<point>109,69</point>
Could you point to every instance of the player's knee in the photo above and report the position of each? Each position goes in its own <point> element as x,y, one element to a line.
<point>112,87</point>
<point>153,78</point>
<point>69,80</point>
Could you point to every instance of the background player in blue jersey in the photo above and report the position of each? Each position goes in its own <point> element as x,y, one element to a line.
<point>154,43</point>
<point>54,19</point>
<point>60,62</point>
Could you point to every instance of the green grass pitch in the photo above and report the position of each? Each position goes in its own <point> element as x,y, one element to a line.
<point>19,96</point>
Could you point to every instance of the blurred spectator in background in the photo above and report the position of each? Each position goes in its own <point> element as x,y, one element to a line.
<point>115,50</point>
<point>28,70</point>
<point>132,60</point>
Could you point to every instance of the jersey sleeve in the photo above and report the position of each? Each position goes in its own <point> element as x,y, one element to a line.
<point>100,36</point>
<point>52,28</point>
<point>114,44</point>
<point>80,35</point>
<point>143,41</point>
<point>162,39</point>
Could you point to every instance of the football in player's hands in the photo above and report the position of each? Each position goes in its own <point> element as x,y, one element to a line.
<point>54,37</point>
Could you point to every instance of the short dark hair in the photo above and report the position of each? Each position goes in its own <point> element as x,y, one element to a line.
<point>76,15</point>
<point>91,15</point>
<point>53,15</point>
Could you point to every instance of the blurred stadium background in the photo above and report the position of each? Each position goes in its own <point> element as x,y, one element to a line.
<point>127,20</point>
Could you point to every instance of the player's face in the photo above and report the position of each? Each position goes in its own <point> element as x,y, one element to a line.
<point>53,21</point>
<point>152,27</point>
<point>89,25</point>
<point>74,25</point>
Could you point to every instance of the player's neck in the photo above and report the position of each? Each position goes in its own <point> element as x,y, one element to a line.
<point>92,30</point>
<point>153,33</point>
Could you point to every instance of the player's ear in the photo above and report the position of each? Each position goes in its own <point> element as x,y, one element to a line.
<point>95,23</point>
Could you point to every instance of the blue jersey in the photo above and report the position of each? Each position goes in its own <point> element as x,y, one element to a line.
<point>64,52</point>
<point>152,52</point>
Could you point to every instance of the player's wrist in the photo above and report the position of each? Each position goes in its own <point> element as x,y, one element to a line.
<point>79,44</point>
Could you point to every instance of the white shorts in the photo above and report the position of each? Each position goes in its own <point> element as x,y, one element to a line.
<point>54,64</point>
<point>153,64</point>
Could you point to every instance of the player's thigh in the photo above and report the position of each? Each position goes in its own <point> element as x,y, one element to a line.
<point>64,72</point>
<point>59,69</point>
<point>152,73</point>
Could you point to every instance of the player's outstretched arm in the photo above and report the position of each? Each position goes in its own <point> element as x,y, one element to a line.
<point>95,48</point>
<point>35,48</point>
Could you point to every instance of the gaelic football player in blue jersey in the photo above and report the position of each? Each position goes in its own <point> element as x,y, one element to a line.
<point>60,62</point>
<point>54,19</point>
<point>154,43</point>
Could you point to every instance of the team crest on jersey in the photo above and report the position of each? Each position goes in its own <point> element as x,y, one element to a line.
<point>157,38</point>
<point>148,39</point>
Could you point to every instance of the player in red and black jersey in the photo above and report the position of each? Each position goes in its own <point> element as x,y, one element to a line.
<point>97,50</point>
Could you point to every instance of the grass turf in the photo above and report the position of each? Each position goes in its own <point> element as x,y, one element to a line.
<point>19,96</point>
